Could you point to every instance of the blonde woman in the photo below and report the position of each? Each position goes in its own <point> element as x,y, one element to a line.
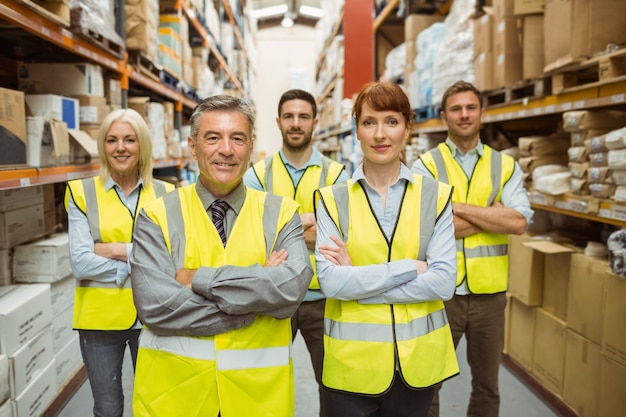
<point>101,215</point>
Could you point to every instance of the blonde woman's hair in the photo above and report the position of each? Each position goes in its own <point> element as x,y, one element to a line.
<point>142,131</point>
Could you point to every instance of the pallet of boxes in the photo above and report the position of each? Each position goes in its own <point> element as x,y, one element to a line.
<point>566,314</point>
<point>39,350</point>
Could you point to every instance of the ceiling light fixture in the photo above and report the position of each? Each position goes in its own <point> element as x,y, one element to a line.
<point>269,11</point>
<point>288,20</point>
<point>315,12</point>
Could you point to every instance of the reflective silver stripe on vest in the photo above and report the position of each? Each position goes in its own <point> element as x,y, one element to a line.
<point>91,208</point>
<point>88,283</point>
<point>496,173</point>
<point>325,167</point>
<point>176,227</point>
<point>428,201</point>
<point>442,174</point>
<point>486,251</point>
<point>204,349</point>
<point>159,188</point>
<point>269,175</point>
<point>369,332</point>
<point>340,192</point>
<point>460,243</point>
<point>190,347</point>
<point>253,358</point>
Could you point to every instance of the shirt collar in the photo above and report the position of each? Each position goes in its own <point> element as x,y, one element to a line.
<point>111,183</point>
<point>454,149</point>
<point>234,199</point>
<point>314,160</point>
<point>405,174</point>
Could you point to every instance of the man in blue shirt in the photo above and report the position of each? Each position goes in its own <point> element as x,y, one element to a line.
<point>296,171</point>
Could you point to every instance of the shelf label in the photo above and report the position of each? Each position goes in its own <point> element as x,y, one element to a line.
<point>24,182</point>
<point>618,212</point>
<point>617,98</point>
<point>566,106</point>
<point>579,104</point>
<point>578,206</point>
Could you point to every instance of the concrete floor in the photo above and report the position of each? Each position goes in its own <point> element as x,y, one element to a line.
<point>517,399</point>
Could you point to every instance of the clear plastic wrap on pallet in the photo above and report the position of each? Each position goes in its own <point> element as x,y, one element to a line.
<point>454,59</point>
<point>395,63</point>
<point>97,16</point>
<point>428,42</point>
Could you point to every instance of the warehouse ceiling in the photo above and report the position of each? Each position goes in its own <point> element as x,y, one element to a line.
<point>271,13</point>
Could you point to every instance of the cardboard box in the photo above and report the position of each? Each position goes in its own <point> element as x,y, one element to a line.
<point>12,127</point>
<point>581,380</point>
<point>555,275</point>
<point>581,28</point>
<point>585,303</point>
<point>30,360</point>
<point>503,8</point>
<point>6,276</point>
<point>613,335</point>
<point>46,260</point>
<point>14,198</point>
<point>92,109</point>
<point>113,90</point>
<point>68,360</point>
<point>61,78</point>
<point>524,7</point>
<point>38,395</point>
<point>25,310</point>
<point>20,225</point>
<point>612,399</point>
<point>532,46</point>
<point>549,351</point>
<point>507,69</point>
<point>525,271</point>
<point>483,33</point>
<point>83,148</point>
<point>483,72</point>
<point>521,334</point>
<point>415,23</point>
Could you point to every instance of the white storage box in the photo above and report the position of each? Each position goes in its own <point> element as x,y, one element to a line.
<point>6,409</point>
<point>34,400</point>
<point>68,360</point>
<point>25,310</point>
<point>30,361</point>
<point>46,260</point>
<point>55,107</point>
<point>4,378</point>
<point>62,330</point>
<point>62,294</point>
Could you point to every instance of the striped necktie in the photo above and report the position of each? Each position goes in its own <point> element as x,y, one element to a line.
<point>218,212</point>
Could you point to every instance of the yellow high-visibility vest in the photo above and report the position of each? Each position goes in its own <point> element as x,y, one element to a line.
<point>242,372</point>
<point>274,178</point>
<point>98,305</point>
<point>418,333</point>
<point>483,257</point>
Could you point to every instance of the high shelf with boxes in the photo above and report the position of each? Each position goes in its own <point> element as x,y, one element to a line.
<point>347,50</point>
<point>559,103</point>
<point>63,69</point>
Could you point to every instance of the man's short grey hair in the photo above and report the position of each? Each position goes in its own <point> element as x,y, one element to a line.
<point>221,103</point>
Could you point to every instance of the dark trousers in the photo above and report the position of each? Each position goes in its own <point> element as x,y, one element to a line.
<point>309,319</point>
<point>103,353</point>
<point>480,318</point>
<point>398,401</point>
